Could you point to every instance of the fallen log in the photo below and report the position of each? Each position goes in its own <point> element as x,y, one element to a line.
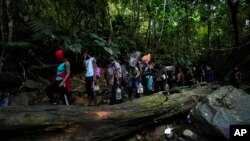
<point>104,123</point>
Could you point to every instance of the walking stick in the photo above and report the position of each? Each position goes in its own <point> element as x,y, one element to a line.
<point>65,96</point>
<point>66,99</point>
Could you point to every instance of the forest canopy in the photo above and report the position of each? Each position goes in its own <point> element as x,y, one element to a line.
<point>174,32</point>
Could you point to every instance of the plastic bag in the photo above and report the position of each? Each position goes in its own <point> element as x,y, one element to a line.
<point>166,87</point>
<point>140,88</point>
<point>96,87</point>
<point>118,93</point>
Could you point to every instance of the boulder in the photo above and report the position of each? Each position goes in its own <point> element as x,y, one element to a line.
<point>224,107</point>
<point>10,76</point>
<point>25,98</point>
<point>189,135</point>
<point>31,85</point>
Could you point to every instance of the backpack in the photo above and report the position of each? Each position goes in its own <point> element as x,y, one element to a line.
<point>134,70</point>
<point>98,72</point>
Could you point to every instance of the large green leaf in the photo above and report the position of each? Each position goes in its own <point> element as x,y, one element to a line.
<point>103,44</point>
<point>109,50</point>
<point>40,29</point>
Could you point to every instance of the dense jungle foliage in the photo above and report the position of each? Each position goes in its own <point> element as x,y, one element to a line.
<point>175,32</point>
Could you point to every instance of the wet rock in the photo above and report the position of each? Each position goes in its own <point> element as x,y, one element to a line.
<point>225,107</point>
<point>181,139</point>
<point>189,135</point>
<point>10,75</point>
<point>25,98</point>
<point>30,84</point>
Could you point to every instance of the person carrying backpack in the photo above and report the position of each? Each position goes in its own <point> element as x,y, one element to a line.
<point>116,96</point>
<point>135,75</point>
<point>134,81</point>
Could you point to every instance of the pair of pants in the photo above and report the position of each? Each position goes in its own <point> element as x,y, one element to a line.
<point>89,86</point>
<point>159,86</point>
<point>54,89</point>
<point>133,84</point>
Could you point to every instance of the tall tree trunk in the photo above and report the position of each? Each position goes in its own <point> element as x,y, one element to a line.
<point>175,48</point>
<point>2,21</point>
<point>233,5</point>
<point>209,29</point>
<point>150,14</point>
<point>110,28</point>
<point>10,20</point>
<point>162,25</point>
<point>2,34</point>
<point>186,25</point>
<point>232,60</point>
<point>2,44</point>
<point>135,18</point>
<point>7,12</point>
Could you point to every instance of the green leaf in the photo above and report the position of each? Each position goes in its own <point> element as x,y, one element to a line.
<point>109,50</point>
<point>18,44</point>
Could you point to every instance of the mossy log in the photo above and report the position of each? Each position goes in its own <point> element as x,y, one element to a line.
<point>103,123</point>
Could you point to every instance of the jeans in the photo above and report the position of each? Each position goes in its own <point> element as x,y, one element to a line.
<point>133,83</point>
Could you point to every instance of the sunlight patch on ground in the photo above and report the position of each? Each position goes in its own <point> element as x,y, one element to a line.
<point>101,114</point>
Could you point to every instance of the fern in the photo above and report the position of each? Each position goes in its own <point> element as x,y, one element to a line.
<point>73,46</point>
<point>40,30</point>
<point>112,50</point>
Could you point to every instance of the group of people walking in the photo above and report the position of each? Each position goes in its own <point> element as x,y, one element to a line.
<point>135,76</point>
<point>116,76</point>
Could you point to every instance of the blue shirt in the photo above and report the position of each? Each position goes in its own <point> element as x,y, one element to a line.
<point>60,69</point>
